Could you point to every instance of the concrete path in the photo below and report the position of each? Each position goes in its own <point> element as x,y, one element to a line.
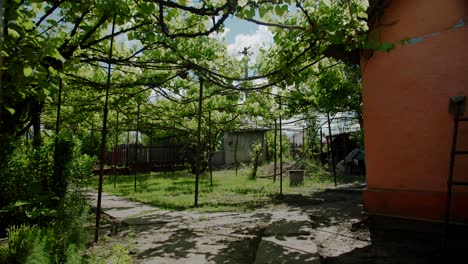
<point>302,230</point>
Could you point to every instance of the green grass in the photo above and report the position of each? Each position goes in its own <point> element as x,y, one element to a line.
<point>175,191</point>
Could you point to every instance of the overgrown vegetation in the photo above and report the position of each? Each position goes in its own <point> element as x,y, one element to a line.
<point>62,68</point>
<point>113,249</point>
<point>42,207</point>
<point>174,191</point>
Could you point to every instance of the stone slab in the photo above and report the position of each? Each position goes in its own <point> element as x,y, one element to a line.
<point>282,249</point>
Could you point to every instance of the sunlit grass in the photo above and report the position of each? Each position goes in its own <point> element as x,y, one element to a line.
<point>230,192</point>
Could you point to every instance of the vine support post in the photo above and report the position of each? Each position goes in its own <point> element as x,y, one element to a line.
<point>198,156</point>
<point>136,148</point>
<point>115,149</point>
<point>265,138</point>
<point>281,147</point>
<point>235,152</point>
<point>177,144</point>
<point>275,151</point>
<point>331,148</point>
<point>321,143</point>
<point>210,149</point>
<point>151,149</point>
<point>127,155</point>
<point>303,141</point>
<point>104,132</point>
<point>92,135</point>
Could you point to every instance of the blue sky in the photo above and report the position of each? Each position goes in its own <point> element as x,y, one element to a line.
<point>237,26</point>
<point>240,33</point>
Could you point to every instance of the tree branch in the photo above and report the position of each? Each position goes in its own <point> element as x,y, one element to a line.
<point>274,24</point>
<point>49,12</point>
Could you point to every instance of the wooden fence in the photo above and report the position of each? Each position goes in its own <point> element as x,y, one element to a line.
<point>156,158</point>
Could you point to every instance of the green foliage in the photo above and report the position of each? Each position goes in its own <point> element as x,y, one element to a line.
<point>271,146</point>
<point>48,43</point>
<point>32,188</point>
<point>256,152</point>
<point>63,154</point>
<point>69,234</point>
<point>51,244</point>
<point>113,250</point>
<point>23,178</point>
<point>52,204</point>
<point>29,244</point>
<point>230,192</point>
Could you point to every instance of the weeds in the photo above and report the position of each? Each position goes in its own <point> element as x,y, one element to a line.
<point>229,193</point>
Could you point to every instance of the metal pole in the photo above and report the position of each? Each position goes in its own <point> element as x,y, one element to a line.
<point>92,135</point>
<point>267,157</point>
<point>321,143</point>
<point>197,169</point>
<point>115,149</point>
<point>103,138</point>
<point>177,144</point>
<point>235,152</point>
<point>136,148</point>
<point>281,148</point>
<point>331,148</point>
<point>275,153</point>
<point>263,145</point>
<point>127,156</point>
<point>303,140</point>
<point>151,149</point>
<point>210,150</point>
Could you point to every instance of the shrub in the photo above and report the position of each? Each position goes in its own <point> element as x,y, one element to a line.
<point>45,200</point>
<point>28,244</point>
<point>271,146</point>
<point>255,154</point>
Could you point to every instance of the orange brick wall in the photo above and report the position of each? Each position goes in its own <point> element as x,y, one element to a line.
<point>407,126</point>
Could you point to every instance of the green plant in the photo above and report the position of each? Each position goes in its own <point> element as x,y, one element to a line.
<point>255,153</point>
<point>44,199</point>
<point>113,250</point>
<point>24,181</point>
<point>29,244</point>
<point>271,146</point>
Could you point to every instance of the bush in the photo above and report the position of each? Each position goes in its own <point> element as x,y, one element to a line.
<point>23,176</point>
<point>28,244</point>
<point>44,198</point>
<point>271,146</point>
<point>32,244</point>
<point>255,154</point>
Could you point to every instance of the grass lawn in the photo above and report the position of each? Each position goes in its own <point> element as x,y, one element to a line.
<point>175,191</point>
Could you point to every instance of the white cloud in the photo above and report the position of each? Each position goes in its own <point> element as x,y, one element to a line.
<point>221,36</point>
<point>262,38</point>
